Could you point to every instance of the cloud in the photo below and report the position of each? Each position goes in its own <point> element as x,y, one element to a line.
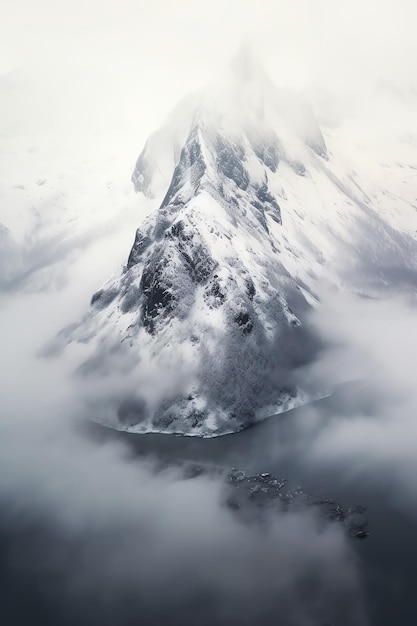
<point>368,433</point>
<point>110,537</point>
<point>155,54</point>
<point>91,531</point>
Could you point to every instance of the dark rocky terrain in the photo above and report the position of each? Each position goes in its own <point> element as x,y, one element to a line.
<point>253,496</point>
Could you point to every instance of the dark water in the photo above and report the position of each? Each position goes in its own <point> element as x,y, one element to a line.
<point>388,557</point>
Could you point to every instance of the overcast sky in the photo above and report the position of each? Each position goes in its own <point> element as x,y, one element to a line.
<point>152,53</point>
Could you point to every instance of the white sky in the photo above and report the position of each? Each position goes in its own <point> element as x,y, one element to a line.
<point>152,53</point>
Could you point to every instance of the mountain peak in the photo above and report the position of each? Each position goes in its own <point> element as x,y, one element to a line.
<point>208,316</point>
<point>242,105</point>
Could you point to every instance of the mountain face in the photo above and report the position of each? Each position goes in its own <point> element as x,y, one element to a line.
<point>206,322</point>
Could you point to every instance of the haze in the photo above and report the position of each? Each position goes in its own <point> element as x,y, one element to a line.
<point>87,530</point>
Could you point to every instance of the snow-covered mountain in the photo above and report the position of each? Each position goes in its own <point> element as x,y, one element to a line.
<point>207,320</point>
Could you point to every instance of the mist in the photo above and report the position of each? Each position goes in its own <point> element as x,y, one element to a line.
<point>115,65</point>
<point>91,532</point>
<point>372,437</point>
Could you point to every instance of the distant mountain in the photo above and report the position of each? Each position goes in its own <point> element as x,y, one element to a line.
<point>208,316</point>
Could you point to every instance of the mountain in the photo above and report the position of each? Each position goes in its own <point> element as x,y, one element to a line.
<point>207,322</point>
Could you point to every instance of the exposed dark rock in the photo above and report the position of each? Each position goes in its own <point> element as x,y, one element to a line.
<point>179,231</point>
<point>265,202</point>
<point>250,287</point>
<point>253,495</point>
<point>196,257</point>
<point>214,295</point>
<point>197,418</point>
<point>230,158</point>
<point>268,154</point>
<point>190,165</point>
<point>260,214</point>
<point>269,203</point>
<point>158,298</point>
<point>245,322</point>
